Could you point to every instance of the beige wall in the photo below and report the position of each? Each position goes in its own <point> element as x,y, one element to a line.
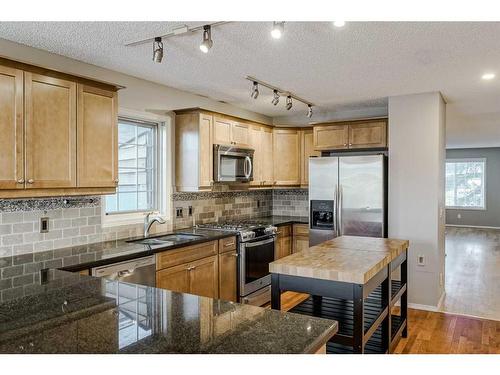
<point>416,189</point>
<point>140,95</point>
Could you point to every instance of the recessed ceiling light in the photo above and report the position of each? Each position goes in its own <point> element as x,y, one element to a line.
<point>278,29</point>
<point>488,76</point>
<point>339,24</point>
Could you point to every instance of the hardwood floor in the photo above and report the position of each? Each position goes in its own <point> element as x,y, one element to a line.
<point>436,332</point>
<point>473,272</point>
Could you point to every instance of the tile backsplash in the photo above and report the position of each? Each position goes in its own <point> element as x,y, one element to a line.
<point>77,221</point>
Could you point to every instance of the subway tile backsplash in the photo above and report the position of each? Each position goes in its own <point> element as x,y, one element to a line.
<point>78,221</point>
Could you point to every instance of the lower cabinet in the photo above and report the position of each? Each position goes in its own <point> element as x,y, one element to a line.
<point>283,245</point>
<point>174,278</point>
<point>300,237</point>
<point>228,276</point>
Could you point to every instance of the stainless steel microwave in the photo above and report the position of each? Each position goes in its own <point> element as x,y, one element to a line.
<point>233,164</point>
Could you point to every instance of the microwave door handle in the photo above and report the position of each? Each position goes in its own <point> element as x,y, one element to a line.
<point>248,168</point>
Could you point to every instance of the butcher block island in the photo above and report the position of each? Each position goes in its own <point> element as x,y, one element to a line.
<point>351,280</point>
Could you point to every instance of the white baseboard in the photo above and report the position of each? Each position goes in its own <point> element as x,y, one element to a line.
<point>437,308</point>
<point>471,226</point>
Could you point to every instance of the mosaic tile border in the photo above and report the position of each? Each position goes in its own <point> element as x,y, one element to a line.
<point>43,204</point>
<point>297,191</point>
<point>193,196</point>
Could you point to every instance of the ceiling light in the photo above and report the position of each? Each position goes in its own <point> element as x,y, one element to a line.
<point>288,103</point>
<point>157,50</point>
<point>255,90</point>
<point>207,39</point>
<point>309,111</point>
<point>339,24</point>
<point>488,76</point>
<point>276,97</point>
<point>278,29</point>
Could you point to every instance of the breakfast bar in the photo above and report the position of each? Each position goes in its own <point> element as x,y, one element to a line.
<point>349,279</point>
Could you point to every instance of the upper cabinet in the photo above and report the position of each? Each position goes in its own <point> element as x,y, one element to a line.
<point>59,133</point>
<point>286,152</point>
<point>11,129</point>
<point>356,134</point>
<point>230,132</point>
<point>97,161</point>
<point>307,151</point>
<point>261,140</point>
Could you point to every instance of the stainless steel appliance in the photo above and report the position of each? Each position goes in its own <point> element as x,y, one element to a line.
<point>137,271</point>
<point>233,164</point>
<point>256,242</point>
<point>347,196</point>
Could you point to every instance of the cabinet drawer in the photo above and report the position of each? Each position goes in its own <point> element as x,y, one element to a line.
<point>285,230</point>
<point>227,244</point>
<point>301,230</point>
<point>185,254</point>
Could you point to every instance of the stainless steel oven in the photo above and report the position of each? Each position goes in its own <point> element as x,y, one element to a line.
<point>255,256</point>
<point>233,164</point>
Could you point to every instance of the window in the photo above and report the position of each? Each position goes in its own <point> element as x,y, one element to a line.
<point>465,183</point>
<point>137,168</point>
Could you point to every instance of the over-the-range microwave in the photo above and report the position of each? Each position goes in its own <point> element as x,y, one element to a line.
<point>232,164</point>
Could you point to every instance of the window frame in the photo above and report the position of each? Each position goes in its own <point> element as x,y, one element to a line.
<point>163,176</point>
<point>469,160</point>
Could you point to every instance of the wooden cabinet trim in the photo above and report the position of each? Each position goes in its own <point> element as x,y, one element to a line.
<point>186,254</point>
<point>301,230</point>
<point>227,244</point>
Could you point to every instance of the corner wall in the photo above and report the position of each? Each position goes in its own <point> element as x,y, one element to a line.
<point>416,189</point>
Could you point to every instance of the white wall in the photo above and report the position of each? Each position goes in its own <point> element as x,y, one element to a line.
<point>139,94</point>
<point>416,188</point>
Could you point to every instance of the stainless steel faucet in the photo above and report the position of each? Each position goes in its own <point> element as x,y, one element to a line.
<point>149,222</point>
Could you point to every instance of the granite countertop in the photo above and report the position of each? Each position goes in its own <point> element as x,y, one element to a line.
<point>346,259</point>
<point>70,313</point>
<point>284,220</point>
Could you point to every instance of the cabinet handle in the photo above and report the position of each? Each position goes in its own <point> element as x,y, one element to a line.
<point>30,181</point>
<point>191,268</point>
<point>116,180</point>
<point>228,244</point>
<point>345,144</point>
<point>234,255</point>
<point>20,181</point>
<point>350,144</point>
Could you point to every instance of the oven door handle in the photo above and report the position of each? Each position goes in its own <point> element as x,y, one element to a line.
<point>254,244</point>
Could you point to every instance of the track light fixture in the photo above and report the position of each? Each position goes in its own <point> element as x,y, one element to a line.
<point>207,39</point>
<point>278,29</point>
<point>309,111</point>
<point>276,97</point>
<point>255,90</point>
<point>288,103</point>
<point>157,50</point>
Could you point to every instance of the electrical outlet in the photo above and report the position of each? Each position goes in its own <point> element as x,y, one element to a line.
<point>190,210</point>
<point>420,260</point>
<point>44,225</point>
<point>258,203</point>
<point>178,212</point>
<point>459,216</point>
<point>441,281</point>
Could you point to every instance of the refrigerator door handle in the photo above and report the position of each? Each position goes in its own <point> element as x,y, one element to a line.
<point>336,208</point>
<point>339,215</point>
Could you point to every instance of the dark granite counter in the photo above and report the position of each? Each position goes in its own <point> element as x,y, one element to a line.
<point>284,220</point>
<point>69,313</point>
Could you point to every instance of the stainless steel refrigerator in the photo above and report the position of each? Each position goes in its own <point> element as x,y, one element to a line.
<point>347,196</point>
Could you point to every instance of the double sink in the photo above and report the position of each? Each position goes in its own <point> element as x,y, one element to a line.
<point>169,239</point>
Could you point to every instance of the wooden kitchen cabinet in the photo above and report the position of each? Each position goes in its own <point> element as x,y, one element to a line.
<point>307,150</point>
<point>203,277</point>
<point>300,237</point>
<point>329,137</point>
<point>97,159</point>
<point>261,140</point>
<point>286,155</point>
<point>11,129</point>
<point>194,151</point>
<point>255,142</point>
<point>283,244</point>
<point>228,276</point>
<point>230,132</point>
<point>50,118</point>
<point>174,278</point>
<point>368,135</point>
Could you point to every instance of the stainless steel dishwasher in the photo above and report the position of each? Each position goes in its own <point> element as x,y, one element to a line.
<point>137,271</point>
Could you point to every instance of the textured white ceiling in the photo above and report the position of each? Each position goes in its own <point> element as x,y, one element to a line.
<point>353,68</point>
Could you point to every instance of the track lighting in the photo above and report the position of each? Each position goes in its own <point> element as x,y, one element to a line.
<point>278,29</point>
<point>255,90</point>
<point>276,97</point>
<point>309,111</point>
<point>157,50</point>
<point>288,103</point>
<point>207,39</point>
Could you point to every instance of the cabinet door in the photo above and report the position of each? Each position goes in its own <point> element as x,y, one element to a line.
<point>206,154</point>
<point>267,159</point>
<point>174,278</point>
<point>300,243</point>
<point>286,157</point>
<point>222,131</point>
<point>254,140</point>
<point>239,134</point>
<point>11,129</point>
<point>97,161</point>
<point>283,245</point>
<point>307,143</point>
<point>203,277</point>
<point>331,137</point>
<point>50,110</point>
<point>368,135</point>
<point>228,276</point>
